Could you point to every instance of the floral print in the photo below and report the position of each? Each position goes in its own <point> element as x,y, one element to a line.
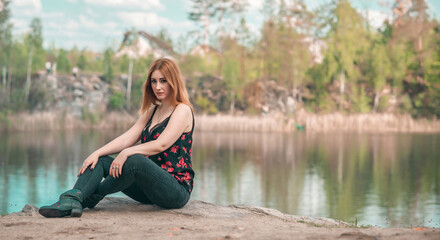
<point>176,159</point>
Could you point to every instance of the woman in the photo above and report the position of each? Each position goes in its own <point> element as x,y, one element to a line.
<point>157,171</point>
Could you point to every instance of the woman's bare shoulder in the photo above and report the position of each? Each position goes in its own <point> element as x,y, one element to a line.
<point>181,107</point>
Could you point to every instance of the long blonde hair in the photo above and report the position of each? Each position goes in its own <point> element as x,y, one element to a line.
<point>172,74</point>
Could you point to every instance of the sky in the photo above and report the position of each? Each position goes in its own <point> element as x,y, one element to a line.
<point>99,24</point>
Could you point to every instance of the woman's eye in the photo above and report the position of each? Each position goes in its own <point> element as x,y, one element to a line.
<point>163,80</point>
<point>153,81</point>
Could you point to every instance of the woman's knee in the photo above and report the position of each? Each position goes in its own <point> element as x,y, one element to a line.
<point>136,160</point>
<point>105,160</point>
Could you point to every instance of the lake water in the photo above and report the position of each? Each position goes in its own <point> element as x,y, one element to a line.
<point>387,180</point>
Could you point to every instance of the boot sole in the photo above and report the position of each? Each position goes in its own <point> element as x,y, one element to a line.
<point>55,213</point>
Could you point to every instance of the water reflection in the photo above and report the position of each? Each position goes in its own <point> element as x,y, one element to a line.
<point>378,179</point>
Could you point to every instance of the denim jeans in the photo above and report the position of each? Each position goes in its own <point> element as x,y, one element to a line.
<point>141,180</point>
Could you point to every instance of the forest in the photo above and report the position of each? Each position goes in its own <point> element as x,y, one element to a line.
<point>327,59</point>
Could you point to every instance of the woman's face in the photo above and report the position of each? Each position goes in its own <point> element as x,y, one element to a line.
<point>160,85</point>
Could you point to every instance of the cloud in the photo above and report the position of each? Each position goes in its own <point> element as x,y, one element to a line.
<point>90,12</point>
<point>143,19</point>
<point>20,24</point>
<point>87,23</point>
<point>110,25</point>
<point>255,5</point>
<point>376,17</point>
<point>57,15</point>
<point>71,25</point>
<point>138,4</point>
<point>34,4</point>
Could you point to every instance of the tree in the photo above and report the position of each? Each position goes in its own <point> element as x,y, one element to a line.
<point>347,40</point>
<point>227,9</point>
<point>63,63</point>
<point>380,69</point>
<point>398,54</point>
<point>108,70</point>
<point>294,21</point>
<point>231,71</point>
<point>5,46</point>
<point>34,42</point>
<point>82,62</point>
<point>243,39</point>
<point>203,12</point>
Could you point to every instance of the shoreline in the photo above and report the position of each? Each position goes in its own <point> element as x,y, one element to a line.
<point>123,218</point>
<point>360,123</point>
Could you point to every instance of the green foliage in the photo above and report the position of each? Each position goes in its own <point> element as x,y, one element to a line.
<point>383,103</point>
<point>205,105</point>
<point>63,63</point>
<point>108,69</point>
<point>37,96</point>
<point>90,117</point>
<point>82,62</point>
<point>117,101</point>
<point>405,105</point>
<point>360,101</point>
<point>136,93</point>
<point>4,119</point>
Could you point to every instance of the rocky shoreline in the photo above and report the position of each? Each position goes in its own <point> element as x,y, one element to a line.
<point>123,218</point>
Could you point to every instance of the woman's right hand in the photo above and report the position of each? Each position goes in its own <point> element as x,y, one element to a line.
<point>90,160</point>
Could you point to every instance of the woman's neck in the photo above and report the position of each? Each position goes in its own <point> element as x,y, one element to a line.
<point>165,104</point>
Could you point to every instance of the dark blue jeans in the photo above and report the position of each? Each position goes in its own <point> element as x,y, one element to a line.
<point>141,180</point>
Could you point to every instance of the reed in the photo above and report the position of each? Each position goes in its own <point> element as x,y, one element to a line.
<point>66,121</point>
<point>228,123</point>
<point>318,123</point>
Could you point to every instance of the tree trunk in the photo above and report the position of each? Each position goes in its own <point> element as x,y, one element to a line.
<point>4,80</point>
<point>295,85</point>
<point>420,47</point>
<point>8,91</point>
<point>242,67</point>
<point>29,69</point>
<point>232,107</point>
<point>342,88</point>
<point>376,101</point>
<point>394,97</point>
<point>130,72</point>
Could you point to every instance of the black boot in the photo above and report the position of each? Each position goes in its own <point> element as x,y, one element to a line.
<point>91,201</point>
<point>68,204</point>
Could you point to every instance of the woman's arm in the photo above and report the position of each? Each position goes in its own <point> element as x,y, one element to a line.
<point>127,139</point>
<point>181,121</point>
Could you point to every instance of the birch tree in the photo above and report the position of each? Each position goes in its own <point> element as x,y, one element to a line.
<point>34,42</point>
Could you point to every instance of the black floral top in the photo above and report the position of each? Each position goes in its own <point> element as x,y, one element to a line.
<point>176,159</point>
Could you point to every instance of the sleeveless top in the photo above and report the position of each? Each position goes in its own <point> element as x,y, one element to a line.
<point>176,160</point>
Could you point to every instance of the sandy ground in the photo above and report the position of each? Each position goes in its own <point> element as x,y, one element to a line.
<point>120,218</point>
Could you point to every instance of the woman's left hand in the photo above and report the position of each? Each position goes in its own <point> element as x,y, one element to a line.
<point>116,166</point>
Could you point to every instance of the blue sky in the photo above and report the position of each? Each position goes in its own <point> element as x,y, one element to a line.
<point>98,24</point>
